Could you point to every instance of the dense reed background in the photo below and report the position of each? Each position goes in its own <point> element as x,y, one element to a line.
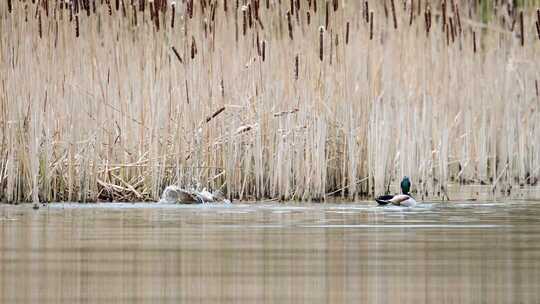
<point>291,99</point>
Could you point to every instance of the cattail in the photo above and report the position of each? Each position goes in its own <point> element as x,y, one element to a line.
<point>291,9</point>
<point>522,28</point>
<point>173,9</point>
<point>244,21</point>
<point>134,16</point>
<point>314,6</point>
<point>327,20</point>
<point>40,29</point>
<point>10,8</point>
<point>296,67</point>
<point>258,43</point>
<point>156,16</point>
<point>250,20</point>
<point>458,18</point>
<point>77,26</point>
<point>335,2</point>
<point>443,7</point>
<point>321,43</point>
<point>117,5</point>
<point>366,11</point>
<point>177,55</point>
<point>371,25</point>
<point>193,47</point>
<point>394,13</point>
<point>452,29</point>
<point>308,18</point>
<point>93,6</point>
<point>411,17</point>
<point>267,4</point>
<point>141,5</point>
<point>538,29</point>
<point>225,6</point>
<point>264,50</point>
<point>290,25</point>
<point>347,34</point>
<point>474,41</point>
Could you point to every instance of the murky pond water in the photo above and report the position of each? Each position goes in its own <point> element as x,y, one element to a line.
<point>273,253</point>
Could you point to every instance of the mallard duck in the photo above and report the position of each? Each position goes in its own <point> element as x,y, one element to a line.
<point>404,199</point>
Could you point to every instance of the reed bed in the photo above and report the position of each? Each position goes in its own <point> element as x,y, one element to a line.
<point>288,99</point>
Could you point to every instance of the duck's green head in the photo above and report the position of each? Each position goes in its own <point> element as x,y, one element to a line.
<point>405,185</point>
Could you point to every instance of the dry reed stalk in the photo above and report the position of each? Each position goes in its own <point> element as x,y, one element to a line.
<point>420,120</point>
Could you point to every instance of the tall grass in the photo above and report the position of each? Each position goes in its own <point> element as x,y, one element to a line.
<point>299,99</point>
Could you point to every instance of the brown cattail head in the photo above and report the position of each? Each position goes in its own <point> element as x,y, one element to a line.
<point>193,47</point>
<point>394,17</point>
<point>321,43</point>
<point>173,9</point>
<point>411,16</point>
<point>443,8</point>
<point>458,18</point>
<point>347,34</point>
<point>522,28</point>
<point>77,26</point>
<point>308,18</point>
<point>474,41</point>
<point>225,6</point>
<point>296,67</point>
<point>264,50</point>
<point>336,5</point>
<point>327,18</point>
<point>289,22</point>
<point>371,25</point>
<point>244,20</point>
<point>366,11</point>
<point>40,29</point>
<point>538,29</point>
<point>10,8</point>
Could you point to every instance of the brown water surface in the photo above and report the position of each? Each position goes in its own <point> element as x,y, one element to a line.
<point>271,253</point>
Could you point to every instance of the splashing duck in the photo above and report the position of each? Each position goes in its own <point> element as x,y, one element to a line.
<point>404,199</point>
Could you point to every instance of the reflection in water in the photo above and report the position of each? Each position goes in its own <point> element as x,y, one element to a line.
<point>454,253</point>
